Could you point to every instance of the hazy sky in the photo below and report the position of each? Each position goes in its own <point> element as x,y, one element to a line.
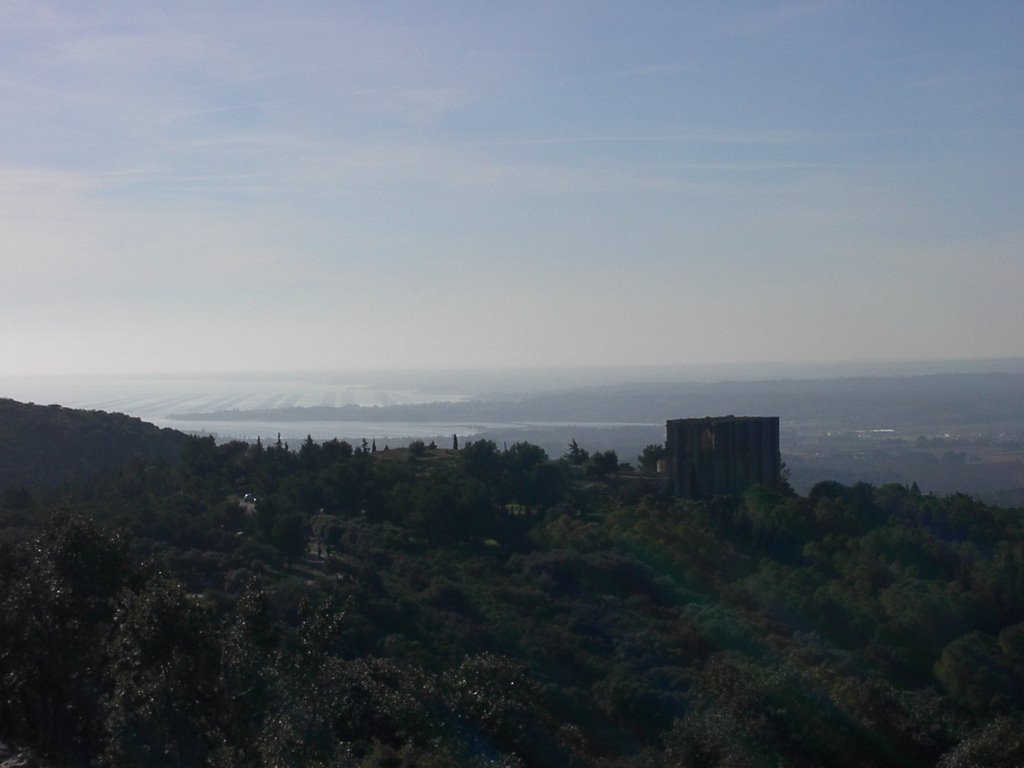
<point>332,185</point>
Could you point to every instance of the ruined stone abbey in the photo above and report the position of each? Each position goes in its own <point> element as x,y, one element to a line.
<point>721,456</point>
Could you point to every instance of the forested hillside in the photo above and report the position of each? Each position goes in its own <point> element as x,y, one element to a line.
<point>328,606</point>
<point>44,445</point>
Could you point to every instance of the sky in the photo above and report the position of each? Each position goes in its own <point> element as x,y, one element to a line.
<point>400,185</point>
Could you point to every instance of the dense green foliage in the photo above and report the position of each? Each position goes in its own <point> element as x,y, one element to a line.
<point>495,607</point>
<point>49,444</point>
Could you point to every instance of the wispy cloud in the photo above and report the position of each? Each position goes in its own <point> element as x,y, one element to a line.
<point>254,105</point>
<point>418,106</point>
<point>206,158</point>
<point>51,229</point>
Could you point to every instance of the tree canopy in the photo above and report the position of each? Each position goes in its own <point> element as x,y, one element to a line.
<point>251,605</point>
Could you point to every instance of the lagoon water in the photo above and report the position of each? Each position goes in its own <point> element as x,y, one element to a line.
<point>157,398</point>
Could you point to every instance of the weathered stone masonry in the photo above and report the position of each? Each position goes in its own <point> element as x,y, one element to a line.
<point>721,456</point>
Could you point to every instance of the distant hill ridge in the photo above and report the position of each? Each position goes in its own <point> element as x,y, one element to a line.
<point>941,399</point>
<point>45,445</point>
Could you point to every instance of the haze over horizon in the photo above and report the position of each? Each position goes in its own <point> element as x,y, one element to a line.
<point>356,186</point>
